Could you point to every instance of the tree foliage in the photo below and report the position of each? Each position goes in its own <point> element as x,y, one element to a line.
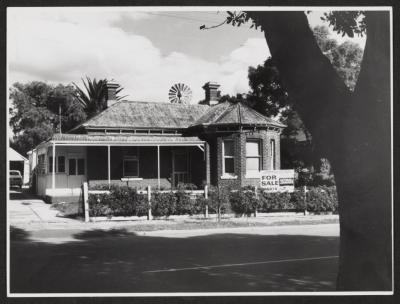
<point>345,58</point>
<point>347,22</point>
<point>34,114</point>
<point>93,97</point>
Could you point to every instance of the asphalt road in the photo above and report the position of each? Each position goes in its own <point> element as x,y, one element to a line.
<point>288,258</point>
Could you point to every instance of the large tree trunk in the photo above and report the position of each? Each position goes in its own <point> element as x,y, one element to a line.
<point>351,130</point>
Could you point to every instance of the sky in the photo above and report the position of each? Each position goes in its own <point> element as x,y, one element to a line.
<point>146,52</point>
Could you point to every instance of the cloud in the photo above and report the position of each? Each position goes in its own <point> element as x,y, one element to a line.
<point>64,47</point>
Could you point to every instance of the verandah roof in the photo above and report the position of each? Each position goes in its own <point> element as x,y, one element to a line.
<point>123,139</point>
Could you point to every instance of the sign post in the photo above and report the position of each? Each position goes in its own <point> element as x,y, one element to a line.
<point>277,180</point>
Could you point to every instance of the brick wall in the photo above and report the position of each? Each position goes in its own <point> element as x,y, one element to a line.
<point>216,157</point>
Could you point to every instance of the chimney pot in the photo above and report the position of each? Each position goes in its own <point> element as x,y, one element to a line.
<point>211,93</point>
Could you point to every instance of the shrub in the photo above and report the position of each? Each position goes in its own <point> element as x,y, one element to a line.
<point>321,179</point>
<point>297,199</point>
<point>244,202</point>
<point>121,201</point>
<point>277,201</point>
<point>200,204</point>
<point>187,186</point>
<point>163,204</point>
<point>99,205</point>
<point>322,199</point>
<point>218,200</point>
<point>98,186</point>
<point>184,204</point>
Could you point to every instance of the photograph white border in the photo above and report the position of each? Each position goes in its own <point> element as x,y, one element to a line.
<point>197,294</point>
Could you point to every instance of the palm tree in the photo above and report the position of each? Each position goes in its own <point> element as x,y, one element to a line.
<point>94,97</point>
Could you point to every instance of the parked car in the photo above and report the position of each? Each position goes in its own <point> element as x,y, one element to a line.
<point>15,178</point>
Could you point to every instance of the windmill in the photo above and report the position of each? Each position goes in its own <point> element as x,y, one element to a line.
<point>180,93</point>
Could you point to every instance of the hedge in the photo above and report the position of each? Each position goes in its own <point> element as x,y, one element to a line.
<point>125,201</point>
<point>121,201</point>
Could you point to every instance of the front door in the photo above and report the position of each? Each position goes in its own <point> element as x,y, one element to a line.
<point>180,167</point>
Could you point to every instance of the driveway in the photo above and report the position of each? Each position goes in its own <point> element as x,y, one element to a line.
<point>26,209</point>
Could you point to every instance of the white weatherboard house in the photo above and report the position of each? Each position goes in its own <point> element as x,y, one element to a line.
<point>160,144</point>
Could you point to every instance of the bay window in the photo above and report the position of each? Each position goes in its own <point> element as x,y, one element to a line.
<point>253,157</point>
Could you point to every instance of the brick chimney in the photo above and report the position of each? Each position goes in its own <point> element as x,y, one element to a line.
<point>112,87</point>
<point>212,93</point>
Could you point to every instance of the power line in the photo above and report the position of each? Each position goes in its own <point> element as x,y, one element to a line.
<point>183,17</point>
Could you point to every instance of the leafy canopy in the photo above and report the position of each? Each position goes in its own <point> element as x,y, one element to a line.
<point>34,112</point>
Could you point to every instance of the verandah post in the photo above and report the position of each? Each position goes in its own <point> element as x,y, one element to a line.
<point>206,197</point>
<point>149,216</point>
<point>305,200</point>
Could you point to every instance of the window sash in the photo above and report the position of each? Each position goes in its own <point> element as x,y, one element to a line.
<point>228,154</point>
<point>252,162</point>
<point>126,172</point>
<point>252,148</point>
<point>229,149</point>
<point>253,156</point>
<point>61,164</point>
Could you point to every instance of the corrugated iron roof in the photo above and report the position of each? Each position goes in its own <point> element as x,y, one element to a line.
<point>234,114</point>
<point>124,138</point>
<point>138,114</point>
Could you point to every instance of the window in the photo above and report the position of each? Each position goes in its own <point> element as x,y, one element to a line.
<point>253,156</point>
<point>41,166</point>
<point>76,166</point>
<point>228,165</point>
<point>131,162</point>
<point>61,164</point>
<point>131,166</point>
<point>272,148</point>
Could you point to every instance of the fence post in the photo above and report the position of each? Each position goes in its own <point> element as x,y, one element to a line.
<point>86,201</point>
<point>149,216</point>
<point>256,194</point>
<point>305,200</point>
<point>206,197</point>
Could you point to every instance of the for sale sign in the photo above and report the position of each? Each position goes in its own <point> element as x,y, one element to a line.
<point>277,180</point>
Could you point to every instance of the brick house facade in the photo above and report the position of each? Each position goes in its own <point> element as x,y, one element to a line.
<point>161,144</point>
